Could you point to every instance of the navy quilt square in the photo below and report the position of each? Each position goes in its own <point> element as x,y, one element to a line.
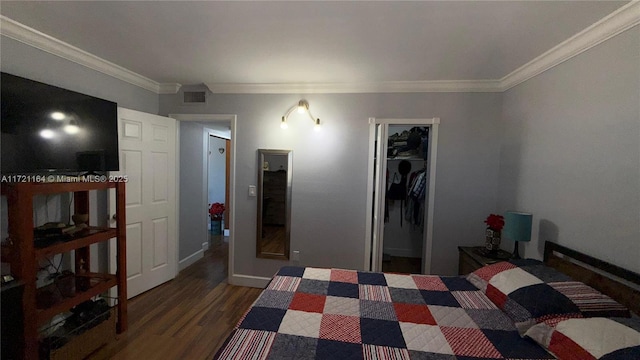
<point>331,350</point>
<point>511,345</point>
<point>367,278</point>
<point>381,332</point>
<point>542,300</point>
<point>420,355</point>
<point>291,271</point>
<point>319,287</point>
<point>341,289</point>
<point>458,284</point>
<point>291,347</point>
<point>407,296</point>
<point>260,318</point>
<point>442,298</point>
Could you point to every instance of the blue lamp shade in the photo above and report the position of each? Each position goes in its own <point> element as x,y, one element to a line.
<point>517,226</point>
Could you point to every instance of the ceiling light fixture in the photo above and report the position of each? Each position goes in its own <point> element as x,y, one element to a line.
<point>302,107</point>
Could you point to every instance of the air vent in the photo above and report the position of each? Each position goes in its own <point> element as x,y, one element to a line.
<point>195,97</point>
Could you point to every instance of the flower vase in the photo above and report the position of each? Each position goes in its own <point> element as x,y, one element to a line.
<point>492,240</point>
<point>216,226</point>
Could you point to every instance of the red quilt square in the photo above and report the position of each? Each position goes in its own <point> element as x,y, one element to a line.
<point>414,313</point>
<point>345,276</point>
<point>487,272</point>
<point>340,328</point>
<point>469,342</point>
<point>496,296</point>
<point>308,302</point>
<point>426,282</point>
<point>565,348</point>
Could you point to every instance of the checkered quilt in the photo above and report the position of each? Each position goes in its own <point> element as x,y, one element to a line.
<point>312,313</point>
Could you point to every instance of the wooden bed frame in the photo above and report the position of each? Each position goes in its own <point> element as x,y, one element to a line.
<point>620,284</point>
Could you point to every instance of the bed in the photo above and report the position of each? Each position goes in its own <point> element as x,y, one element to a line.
<point>509,310</point>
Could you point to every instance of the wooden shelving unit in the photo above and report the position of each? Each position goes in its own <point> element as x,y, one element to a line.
<point>24,256</point>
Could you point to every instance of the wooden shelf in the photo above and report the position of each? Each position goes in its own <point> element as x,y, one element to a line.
<point>57,187</point>
<point>23,256</point>
<point>95,235</point>
<point>99,284</point>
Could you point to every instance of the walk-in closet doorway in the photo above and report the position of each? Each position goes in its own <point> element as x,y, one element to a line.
<point>401,189</point>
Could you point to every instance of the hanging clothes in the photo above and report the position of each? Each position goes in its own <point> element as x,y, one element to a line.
<point>414,211</point>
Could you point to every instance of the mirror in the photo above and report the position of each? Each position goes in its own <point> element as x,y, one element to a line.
<point>274,203</point>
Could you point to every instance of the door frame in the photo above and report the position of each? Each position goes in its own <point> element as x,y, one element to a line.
<point>227,168</point>
<point>212,118</point>
<point>373,245</point>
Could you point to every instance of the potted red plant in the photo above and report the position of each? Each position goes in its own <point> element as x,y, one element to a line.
<point>216,210</point>
<point>495,223</point>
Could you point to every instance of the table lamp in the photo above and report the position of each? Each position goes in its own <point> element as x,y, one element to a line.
<point>517,227</point>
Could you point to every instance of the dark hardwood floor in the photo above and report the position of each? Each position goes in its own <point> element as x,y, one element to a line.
<point>188,317</point>
<point>399,264</point>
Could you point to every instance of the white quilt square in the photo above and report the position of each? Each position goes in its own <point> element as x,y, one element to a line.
<point>317,274</point>
<point>400,281</point>
<point>427,338</point>
<point>599,336</point>
<point>511,280</point>
<point>341,306</point>
<point>452,317</point>
<point>301,323</point>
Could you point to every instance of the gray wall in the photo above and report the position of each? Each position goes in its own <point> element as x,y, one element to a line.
<point>193,196</point>
<point>22,60</point>
<point>571,153</point>
<point>330,169</point>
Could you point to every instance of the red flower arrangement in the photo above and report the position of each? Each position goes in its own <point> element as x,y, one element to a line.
<point>495,222</point>
<point>216,210</point>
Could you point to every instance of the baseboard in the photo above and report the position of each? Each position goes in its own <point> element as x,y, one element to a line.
<point>248,280</point>
<point>189,260</point>
<point>205,246</point>
<point>402,252</point>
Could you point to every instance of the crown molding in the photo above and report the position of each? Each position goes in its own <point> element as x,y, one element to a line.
<point>169,88</point>
<point>39,40</point>
<point>609,26</point>
<point>374,87</point>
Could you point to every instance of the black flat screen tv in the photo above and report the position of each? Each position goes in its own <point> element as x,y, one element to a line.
<point>47,129</point>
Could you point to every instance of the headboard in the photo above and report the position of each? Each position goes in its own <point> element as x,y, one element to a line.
<point>620,284</point>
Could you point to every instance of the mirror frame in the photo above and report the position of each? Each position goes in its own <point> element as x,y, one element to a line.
<point>261,156</point>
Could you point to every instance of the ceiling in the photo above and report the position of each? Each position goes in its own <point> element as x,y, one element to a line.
<point>289,42</point>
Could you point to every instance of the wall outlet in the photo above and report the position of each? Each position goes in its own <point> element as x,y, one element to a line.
<point>252,190</point>
<point>295,257</point>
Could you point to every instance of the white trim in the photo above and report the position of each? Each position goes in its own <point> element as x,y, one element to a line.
<point>433,156</point>
<point>168,88</point>
<point>348,88</point>
<point>248,280</point>
<point>611,25</point>
<point>190,260</point>
<point>39,40</point>
<point>232,119</point>
<point>205,246</point>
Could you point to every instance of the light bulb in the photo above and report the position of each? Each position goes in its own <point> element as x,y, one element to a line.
<point>300,109</point>
<point>71,129</point>
<point>283,124</point>
<point>57,115</point>
<point>317,126</point>
<point>47,133</point>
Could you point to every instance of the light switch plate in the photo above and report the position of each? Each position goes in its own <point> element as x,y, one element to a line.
<point>252,190</point>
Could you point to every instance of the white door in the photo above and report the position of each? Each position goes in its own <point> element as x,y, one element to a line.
<point>147,146</point>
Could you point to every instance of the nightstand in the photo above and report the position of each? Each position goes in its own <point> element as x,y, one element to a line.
<point>472,259</point>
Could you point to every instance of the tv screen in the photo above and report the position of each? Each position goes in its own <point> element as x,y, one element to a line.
<point>48,129</point>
